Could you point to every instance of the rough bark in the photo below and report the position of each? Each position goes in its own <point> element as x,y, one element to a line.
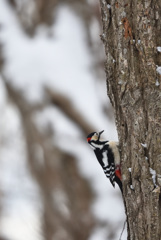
<point>131,35</point>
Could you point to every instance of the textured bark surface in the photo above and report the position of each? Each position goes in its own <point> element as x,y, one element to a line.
<point>131,35</point>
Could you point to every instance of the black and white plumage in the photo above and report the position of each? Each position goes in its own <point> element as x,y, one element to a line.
<point>108,155</point>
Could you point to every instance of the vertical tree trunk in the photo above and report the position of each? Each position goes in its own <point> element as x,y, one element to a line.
<point>131,35</point>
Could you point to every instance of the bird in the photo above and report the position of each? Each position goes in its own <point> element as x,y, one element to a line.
<point>108,155</point>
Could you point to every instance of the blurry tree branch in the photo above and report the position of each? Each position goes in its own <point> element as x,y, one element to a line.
<point>66,196</point>
<point>65,105</point>
<point>57,175</point>
<point>32,13</point>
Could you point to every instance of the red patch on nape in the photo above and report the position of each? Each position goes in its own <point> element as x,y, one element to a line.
<point>88,139</point>
<point>118,173</point>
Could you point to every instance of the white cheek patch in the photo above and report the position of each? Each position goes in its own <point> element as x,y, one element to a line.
<point>95,137</point>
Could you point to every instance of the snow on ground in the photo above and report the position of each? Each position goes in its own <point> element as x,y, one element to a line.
<point>61,61</point>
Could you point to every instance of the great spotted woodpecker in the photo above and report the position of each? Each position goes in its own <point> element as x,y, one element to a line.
<point>108,155</point>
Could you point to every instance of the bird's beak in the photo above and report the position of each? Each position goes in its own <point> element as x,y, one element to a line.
<point>100,134</point>
<point>88,139</point>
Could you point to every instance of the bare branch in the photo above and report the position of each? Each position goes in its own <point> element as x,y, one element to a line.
<point>64,104</point>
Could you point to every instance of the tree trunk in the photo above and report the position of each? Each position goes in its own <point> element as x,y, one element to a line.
<point>131,35</point>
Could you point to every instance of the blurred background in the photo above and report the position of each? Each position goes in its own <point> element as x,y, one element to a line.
<point>52,95</point>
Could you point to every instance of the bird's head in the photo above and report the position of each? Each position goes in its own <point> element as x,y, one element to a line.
<point>95,141</point>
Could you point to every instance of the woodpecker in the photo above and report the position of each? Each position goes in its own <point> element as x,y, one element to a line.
<point>108,155</point>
